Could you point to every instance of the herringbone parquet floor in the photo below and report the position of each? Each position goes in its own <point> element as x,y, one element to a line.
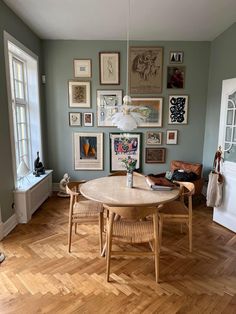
<point>39,276</point>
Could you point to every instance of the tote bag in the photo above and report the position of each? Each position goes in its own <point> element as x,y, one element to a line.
<point>215,189</point>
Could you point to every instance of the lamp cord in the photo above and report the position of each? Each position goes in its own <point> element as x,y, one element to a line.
<point>127,48</point>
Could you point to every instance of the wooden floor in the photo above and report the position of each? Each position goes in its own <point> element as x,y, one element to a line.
<point>39,276</point>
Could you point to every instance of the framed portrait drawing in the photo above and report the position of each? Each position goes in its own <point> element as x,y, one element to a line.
<point>88,119</point>
<point>153,138</point>
<point>109,64</point>
<point>176,56</point>
<point>175,76</point>
<point>123,145</point>
<point>108,103</point>
<point>88,151</point>
<point>150,110</point>
<point>155,155</point>
<point>79,94</point>
<point>82,67</point>
<point>171,136</point>
<point>145,70</point>
<point>178,109</point>
<point>74,118</point>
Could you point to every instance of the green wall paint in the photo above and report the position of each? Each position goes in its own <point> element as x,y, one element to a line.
<point>222,67</point>
<point>14,26</point>
<point>58,67</point>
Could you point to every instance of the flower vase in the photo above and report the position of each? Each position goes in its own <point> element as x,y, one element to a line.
<point>129,179</point>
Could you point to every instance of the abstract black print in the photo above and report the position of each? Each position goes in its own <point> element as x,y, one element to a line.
<point>178,109</point>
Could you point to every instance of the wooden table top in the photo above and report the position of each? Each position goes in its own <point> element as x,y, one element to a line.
<point>113,191</point>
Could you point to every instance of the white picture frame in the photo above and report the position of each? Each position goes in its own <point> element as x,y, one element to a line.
<point>79,94</point>
<point>171,137</point>
<point>88,119</point>
<point>178,109</point>
<point>82,68</point>
<point>74,118</point>
<point>109,65</point>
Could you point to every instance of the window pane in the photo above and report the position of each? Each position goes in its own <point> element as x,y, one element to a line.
<point>234,134</point>
<point>22,131</point>
<point>228,134</point>
<point>231,155</point>
<point>230,117</point>
<point>18,70</point>
<point>19,90</point>
<point>20,112</point>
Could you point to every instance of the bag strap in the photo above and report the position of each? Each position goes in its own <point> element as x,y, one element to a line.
<point>217,160</point>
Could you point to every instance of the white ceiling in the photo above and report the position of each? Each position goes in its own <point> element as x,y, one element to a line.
<point>106,19</point>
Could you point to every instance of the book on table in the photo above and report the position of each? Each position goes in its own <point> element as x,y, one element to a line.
<point>159,184</point>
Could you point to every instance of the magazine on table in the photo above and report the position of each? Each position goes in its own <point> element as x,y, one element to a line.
<point>159,184</point>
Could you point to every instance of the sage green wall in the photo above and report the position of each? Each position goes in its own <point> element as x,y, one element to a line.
<point>58,66</point>
<point>14,26</point>
<point>222,66</point>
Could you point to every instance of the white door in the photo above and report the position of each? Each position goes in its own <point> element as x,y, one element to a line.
<point>226,213</point>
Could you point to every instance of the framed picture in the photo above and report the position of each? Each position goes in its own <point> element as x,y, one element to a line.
<point>88,151</point>
<point>155,155</point>
<point>175,76</point>
<point>109,68</point>
<point>79,94</point>
<point>74,118</point>
<point>171,136</point>
<point>88,119</point>
<point>108,103</point>
<point>145,70</point>
<point>153,138</point>
<point>123,145</point>
<point>176,56</point>
<point>178,109</point>
<point>82,67</point>
<point>150,110</point>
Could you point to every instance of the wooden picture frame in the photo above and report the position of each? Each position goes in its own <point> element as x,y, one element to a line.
<point>153,138</point>
<point>123,145</point>
<point>178,109</point>
<point>88,151</point>
<point>176,57</point>
<point>155,155</point>
<point>108,103</point>
<point>88,119</point>
<point>150,110</point>
<point>145,70</point>
<point>109,68</point>
<point>175,77</point>
<point>82,68</point>
<point>171,137</point>
<point>79,94</point>
<point>75,118</point>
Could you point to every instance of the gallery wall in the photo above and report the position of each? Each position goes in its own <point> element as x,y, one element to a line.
<point>58,68</point>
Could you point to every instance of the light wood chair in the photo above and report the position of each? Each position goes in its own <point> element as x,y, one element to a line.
<point>177,211</point>
<point>82,210</point>
<point>131,228</point>
<point>123,173</point>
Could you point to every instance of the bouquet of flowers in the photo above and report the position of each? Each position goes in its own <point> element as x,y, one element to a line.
<point>130,163</point>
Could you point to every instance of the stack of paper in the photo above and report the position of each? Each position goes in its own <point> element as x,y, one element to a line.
<point>159,184</point>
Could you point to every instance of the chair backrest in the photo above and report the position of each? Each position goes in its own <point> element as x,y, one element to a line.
<point>133,212</point>
<point>123,173</point>
<point>186,166</point>
<point>72,188</point>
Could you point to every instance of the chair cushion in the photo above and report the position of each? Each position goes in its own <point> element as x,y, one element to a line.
<point>186,166</point>
<point>87,208</point>
<point>174,208</point>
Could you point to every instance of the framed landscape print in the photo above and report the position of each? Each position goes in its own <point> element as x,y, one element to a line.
<point>153,138</point>
<point>150,110</point>
<point>75,118</point>
<point>88,151</point>
<point>178,109</point>
<point>88,119</point>
<point>123,145</point>
<point>82,67</point>
<point>79,94</point>
<point>108,103</point>
<point>145,70</point>
<point>171,136</point>
<point>176,56</point>
<point>175,76</point>
<point>109,63</point>
<point>155,155</point>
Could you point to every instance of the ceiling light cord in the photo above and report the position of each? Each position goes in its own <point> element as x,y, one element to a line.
<point>127,48</point>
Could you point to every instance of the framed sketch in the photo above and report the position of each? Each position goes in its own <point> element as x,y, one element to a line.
<point>88,119</point>
<point>74,118</point>
<point>82,67</point>
<point>153,138</point>
<point>171,136</point>
<point>109,64</point>
<point>123,145</point>
<point>176,56</point>
<point>178,109</point>
<point>175,76</point>
<point>145,70</point>
<point>108,103</point>
<point>150,110</point>
<point>79,94</point>
<point>88,151</point>
<point>155,155</point>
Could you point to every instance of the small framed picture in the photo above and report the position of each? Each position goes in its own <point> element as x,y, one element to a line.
<point>74,118</point>
<point>153,138</point>
<point>175,77</point>
<point>82,67</point>
<point>79,94</point>
<point>171,136</point>
<point>176,56</point>
<point>151,111</point>
<point>109,68</point>
<point>155,155</point>
<point>88,119</point>
<point>178,109</point>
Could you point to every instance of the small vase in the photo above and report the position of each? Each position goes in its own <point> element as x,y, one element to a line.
<point>129,179</point>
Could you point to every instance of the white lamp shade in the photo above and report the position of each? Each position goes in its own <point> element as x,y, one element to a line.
<point>22,169</point>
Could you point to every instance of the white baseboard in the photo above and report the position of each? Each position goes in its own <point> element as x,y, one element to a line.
<point>9,225</point>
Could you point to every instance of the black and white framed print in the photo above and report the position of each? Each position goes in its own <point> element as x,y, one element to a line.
<point>178,109</point>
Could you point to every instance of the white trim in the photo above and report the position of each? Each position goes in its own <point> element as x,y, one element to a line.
<point>9,225</point>
<point>225,219</point>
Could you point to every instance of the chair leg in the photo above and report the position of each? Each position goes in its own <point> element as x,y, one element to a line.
<point>109,243</point>
<point>156,248</point>
<point>160,230</point>
<point>69,236</point>
<point>75,227</point>
<point>190,231</point>
<point>101,231</point>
